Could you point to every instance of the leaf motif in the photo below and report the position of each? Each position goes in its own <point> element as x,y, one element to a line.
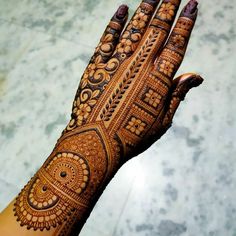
<point>117,90</point>
<point>78,102</point>
<point>95,93</point>
<point>98,59</point>
<point>101,65</point>
<point>84,83</point>
<point>108,38</point>
<point>92,102</point>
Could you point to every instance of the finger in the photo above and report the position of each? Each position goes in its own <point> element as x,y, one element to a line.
<point>172,55</point>
<point>112,34</point>
<point>163,21</point>
<point>181,87</point>
<point>135,29</point>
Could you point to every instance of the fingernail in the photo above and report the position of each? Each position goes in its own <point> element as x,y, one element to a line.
<point>191,7</point>
<point>122,11</point>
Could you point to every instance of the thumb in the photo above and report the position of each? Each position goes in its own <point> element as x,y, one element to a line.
<point>181,87</point>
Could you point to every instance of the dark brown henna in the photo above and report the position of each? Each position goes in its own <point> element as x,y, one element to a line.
<point>181,86</point>
<point>190,9</point>
<point>124,103</point>
<point>122,12</point>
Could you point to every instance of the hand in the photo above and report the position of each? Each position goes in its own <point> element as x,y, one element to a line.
<point>126,101</point>
<point>127,91</point>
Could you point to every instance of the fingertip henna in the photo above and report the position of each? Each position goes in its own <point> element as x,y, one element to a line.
<point>122,12</point>
<point>191,7</point>
<point>194,80</point>
<point>190,10</point>
<point>152,2</point>
<point>198,81</point>
<point>184,83</point>
<point>119,111</point>
<point>180,88</point>
<point>135,29</point>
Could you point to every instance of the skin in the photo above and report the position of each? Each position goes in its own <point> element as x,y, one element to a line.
<point>125,102</point>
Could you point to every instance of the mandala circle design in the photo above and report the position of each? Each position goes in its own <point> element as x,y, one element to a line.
<point>73,174</point>
<point>39,205</point>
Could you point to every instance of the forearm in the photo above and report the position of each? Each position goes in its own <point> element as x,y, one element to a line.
<point>61,195</point>
<point>125,102</point>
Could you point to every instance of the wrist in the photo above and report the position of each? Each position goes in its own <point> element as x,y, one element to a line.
<point>70,181</point>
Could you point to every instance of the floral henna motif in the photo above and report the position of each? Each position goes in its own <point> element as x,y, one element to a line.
<point>152,98</point>
<point>128,77</point>
<point>140,20</point>
<point>82,113</point>
<point>134,31</point>
<point>111,35</point>
<point>179,41</point>
<point>136,126</point>
<point>167,11</point>
<point>98,74</point>
<point>167,67</point>
<point>124,103</point>
<point>125,46</point>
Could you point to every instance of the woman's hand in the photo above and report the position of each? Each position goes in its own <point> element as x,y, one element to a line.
<point>127,91</point>
<point>126,101</point>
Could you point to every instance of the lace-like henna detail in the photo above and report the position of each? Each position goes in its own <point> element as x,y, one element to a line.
<point>66,183</point>
<point>124,103</point>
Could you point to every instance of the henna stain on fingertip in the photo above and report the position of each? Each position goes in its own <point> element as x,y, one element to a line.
<point>122,11</point>
<point>191,9</point>
<point>191,6</point>
<point>152,2</point>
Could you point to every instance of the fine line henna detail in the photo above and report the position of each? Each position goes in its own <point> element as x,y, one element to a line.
<point>125,102</point>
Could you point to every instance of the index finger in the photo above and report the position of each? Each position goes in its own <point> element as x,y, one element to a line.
<point>172,55</point>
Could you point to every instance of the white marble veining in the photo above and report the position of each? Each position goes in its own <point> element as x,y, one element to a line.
<point>184,185</point>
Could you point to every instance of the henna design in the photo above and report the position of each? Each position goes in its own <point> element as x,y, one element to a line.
<point>126,100</point>
<point>132,35</point>
<point>172,55</point>
<point>111,35</point>
<point>152,98</point>
<point>98,74</point>
<point>39,205</point>
<point>135,126</point>
<point>129,76</point>
<point>166,11</point>
<point>67,181</point>
<point>180,88</point>
<point>165,15</point>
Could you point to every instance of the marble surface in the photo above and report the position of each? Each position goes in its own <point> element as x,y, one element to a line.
<point>184,185</point>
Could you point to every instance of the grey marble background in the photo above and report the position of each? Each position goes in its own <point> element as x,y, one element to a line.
<point>185,185</point>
